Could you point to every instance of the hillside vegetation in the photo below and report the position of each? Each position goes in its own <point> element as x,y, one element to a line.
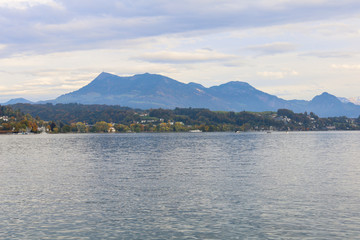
<point>104,118</point>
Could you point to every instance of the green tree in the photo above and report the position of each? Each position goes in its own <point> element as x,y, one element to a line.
<point>102,126</point>
<point>66,129</point>
<point>81,127</point>
<point>121,128</point>
<point>286,113</point>
<point>179,127</point>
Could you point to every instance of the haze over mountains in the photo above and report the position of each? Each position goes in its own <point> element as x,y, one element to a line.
<point>17,100</point>
<point>146,91</point>
<point>355,100</point>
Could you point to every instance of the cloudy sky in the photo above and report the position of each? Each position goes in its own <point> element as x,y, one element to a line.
<point>289,48</point>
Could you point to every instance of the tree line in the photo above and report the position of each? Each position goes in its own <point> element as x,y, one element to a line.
<point>64,118</point>
<point>14,121</point>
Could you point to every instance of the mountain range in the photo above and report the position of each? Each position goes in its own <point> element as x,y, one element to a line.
<point>17,100</point>
<point>146,91</point>
<point>355,100</point>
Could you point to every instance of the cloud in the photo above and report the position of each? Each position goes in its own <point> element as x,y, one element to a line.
<point>48,25</point>
<point>294,91</point>
<point>346,66</point>
<point>329,54</point>
<point>47,85</point>
<point>277,75</point>
<point>26,4</point>
<point>201,55</point>
<point>273,48</point>
<point>48,44</point>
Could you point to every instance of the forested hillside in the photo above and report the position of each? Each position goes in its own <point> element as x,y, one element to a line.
<point>72,112</point>
<point>14,121</point>
<point>69,117</point>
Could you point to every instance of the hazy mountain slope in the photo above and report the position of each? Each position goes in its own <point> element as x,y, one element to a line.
<point>154,91</point>
<point>146,91</point>
<point>17,100</point>
<point>354,100</point>
<point>242,96</point>
<point>328,105</point>
<point>140,91</point>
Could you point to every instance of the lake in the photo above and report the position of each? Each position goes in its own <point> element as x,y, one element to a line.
<point>296,185</point>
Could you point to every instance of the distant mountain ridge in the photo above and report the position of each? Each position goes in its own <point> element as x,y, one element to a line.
<point>145,91</point>
<point>157,91</point>
<point>17,100</point>
<point>354,100</point>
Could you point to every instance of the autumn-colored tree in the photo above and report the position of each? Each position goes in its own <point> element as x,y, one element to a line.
<point>121,128</point>
<point>102,126</point>
<point>81,127</point>
<point>179,127</point>
<point>136,127</point>
<point>164,127</point>
<point>34,127</point>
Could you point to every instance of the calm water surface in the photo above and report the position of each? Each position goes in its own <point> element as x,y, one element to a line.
<point>180,186</point>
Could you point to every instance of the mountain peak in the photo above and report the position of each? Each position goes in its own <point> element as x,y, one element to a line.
<point>326,97</point>
<point>195,85</point>
<point>104,75</point>
<point>235,85</point>
<point>157,91</point>
<point>143,74</point>
<point>326,94</point>
<point>148,75</point>
<point>17,100</point>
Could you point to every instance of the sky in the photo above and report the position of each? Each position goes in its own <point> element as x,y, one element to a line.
<point>288,48</point>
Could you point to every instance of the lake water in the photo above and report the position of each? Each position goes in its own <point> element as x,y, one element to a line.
<point>180,186</point>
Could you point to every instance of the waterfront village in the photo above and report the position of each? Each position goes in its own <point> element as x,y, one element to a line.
<point>177,120</point>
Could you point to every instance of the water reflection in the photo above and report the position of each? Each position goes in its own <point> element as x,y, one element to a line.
<point>160,186</point>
